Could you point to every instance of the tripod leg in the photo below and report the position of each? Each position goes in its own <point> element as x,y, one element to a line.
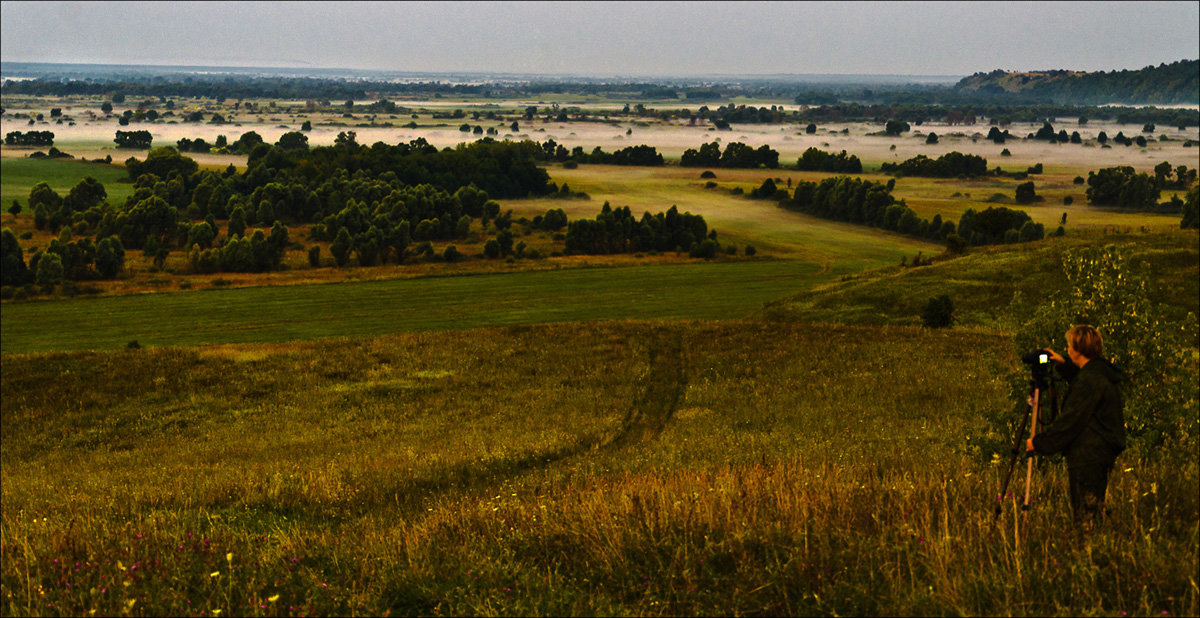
<point>1018,448</point>
<point>1029,462</point>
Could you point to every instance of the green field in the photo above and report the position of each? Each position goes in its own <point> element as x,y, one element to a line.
<point>20,175</point>
<point>360,309</point>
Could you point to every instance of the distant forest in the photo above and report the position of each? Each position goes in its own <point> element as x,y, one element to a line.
<point>1166,84</point>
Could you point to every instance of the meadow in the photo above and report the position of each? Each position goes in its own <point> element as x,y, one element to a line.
<point>593,435</point>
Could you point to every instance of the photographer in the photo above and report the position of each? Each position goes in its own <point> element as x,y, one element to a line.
<point>1090,429</point>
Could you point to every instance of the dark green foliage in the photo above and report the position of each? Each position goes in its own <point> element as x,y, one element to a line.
<point>938,312</point>
<point>706,249</point>
<point>817,160</point>
<point>896,127</point>
<point>736,155</point>
<point>110,257</point>
<point>932,138</point>
<point>949,165</point>
<point>554,219</point>
<point>617,231</point>
<point>29,138</point>
<point>1026,193</point>
<point>161,162</point>
<point>13,270</point>
<point>491,249</point>
<point>314,256</point>
<point>1191,216</point>
<point>451,254</point>
<point>1122,187</point>
<point>49,269</point>
<point>133,139</point>
<point>632,155</point>
<point>293,140</point>
<point>342,244</point>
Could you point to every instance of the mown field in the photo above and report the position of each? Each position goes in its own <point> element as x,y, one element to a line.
<point>368,308</point>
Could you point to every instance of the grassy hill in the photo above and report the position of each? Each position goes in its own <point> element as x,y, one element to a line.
<point>989,285</point>
<point>614,468</point>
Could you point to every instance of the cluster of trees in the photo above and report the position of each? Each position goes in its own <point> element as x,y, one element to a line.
<point>949,165</point>
<point>258,253</point>
<point>817,160</point>
<point>747,114</point>
<point>372,202</point>
<point>29,138</point>
<point>997,224</point>
<point>133,139</point>
<point>64,259</point>
<point>736,155</point>
<point>631,155</point>
<point>1122,187</point>
<point>850,199</point>
<point>618,231</point>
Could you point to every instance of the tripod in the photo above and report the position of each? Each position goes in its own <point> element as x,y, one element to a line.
<point>1040,383</point>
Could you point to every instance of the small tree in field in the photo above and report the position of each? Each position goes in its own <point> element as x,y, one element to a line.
<point>938,312</point>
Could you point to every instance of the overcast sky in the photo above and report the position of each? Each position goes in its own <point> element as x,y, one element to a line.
<point>634,38</point>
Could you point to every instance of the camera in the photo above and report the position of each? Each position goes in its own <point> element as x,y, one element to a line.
<point>1039,365</point>
<point>1037,358</point>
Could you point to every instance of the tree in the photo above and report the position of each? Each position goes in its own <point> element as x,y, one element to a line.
<point>515,126</point>
<point>139,140</point>
<point>12,261</point>
<point>810,129</point>
<point>938,312</point>
<point>1026,193</point>
<point>340,249</point>
<point>106,107</point>
<point>1191,210</point>
<point>49,269</point>
<point>110,257</point>
<point>293,140</point>
<point>932,138</point>
<point>896,127</point>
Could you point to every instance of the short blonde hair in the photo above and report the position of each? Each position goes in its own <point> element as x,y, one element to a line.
<point>1086,340</point>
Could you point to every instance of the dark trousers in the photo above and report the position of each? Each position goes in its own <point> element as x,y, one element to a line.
<point>1088,484</point>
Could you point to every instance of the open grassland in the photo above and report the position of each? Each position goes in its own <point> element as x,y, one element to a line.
<point>991,285</point>
<point>604,469</point>
<point>20,175</point>
<point>285,313</point>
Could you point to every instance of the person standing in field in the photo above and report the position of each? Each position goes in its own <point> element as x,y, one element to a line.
<point>1090,429</point>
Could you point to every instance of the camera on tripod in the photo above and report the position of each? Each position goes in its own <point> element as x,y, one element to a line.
<point>1039,365</point>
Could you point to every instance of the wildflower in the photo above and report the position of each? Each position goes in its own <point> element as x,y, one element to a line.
<point>214,574</point>
<point>274,598</point>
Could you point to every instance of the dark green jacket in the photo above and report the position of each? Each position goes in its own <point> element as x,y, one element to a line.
<point>1090,428</point>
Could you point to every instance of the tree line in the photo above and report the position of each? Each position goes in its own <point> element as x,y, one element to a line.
<point>854,200</point>
<point>29,138</point>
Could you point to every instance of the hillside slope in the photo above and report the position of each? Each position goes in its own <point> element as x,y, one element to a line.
<point>1177,83</point>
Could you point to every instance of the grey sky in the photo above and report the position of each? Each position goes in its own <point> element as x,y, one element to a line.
<point>667,38</point>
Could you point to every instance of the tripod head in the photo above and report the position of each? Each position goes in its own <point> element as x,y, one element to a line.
<point>1040,369</point>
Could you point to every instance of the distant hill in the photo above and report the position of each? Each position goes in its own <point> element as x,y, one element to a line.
<point>1177,83</point>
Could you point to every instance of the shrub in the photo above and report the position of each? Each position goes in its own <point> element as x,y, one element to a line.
<point>938,312</point>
